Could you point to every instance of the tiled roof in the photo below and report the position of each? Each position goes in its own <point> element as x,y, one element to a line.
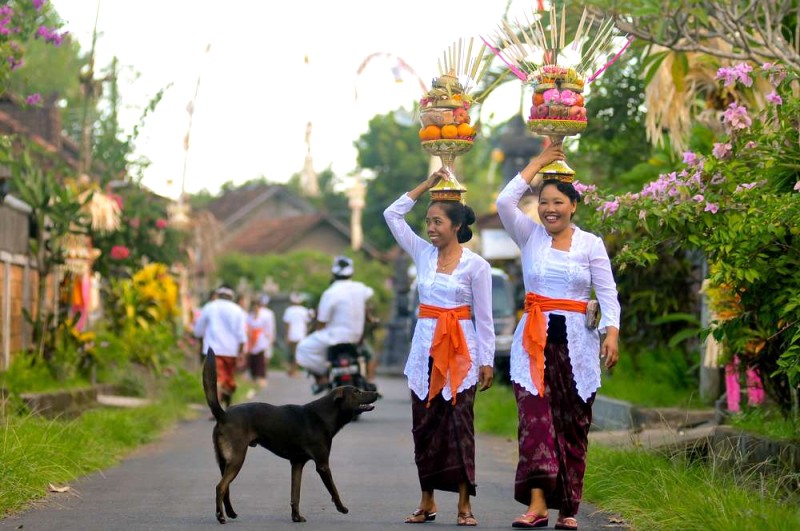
<point>272,236</point>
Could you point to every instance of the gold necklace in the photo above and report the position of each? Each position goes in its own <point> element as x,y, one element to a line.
<point>444,265</point>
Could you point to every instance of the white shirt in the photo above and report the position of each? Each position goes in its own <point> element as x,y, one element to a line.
<point>296,318</point>
<point>343,308</point>
<point>469,284</point>
<point>586,266</point>
<point>222,325</point>
<point>265,320</point>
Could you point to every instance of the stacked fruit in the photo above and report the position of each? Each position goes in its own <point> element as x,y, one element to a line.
<point>444,113</point>
<point>557,101</point>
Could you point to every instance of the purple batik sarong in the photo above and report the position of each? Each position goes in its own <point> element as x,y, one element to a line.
<point>553,430</point>
<point>444,441</point>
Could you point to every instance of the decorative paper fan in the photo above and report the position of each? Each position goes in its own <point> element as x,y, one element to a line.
<point>525,48</point>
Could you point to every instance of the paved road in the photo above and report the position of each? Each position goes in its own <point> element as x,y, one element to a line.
<point>169,485</point>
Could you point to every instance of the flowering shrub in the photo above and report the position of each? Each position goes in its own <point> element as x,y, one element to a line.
<point>739,205</point>
<point>21,20</point>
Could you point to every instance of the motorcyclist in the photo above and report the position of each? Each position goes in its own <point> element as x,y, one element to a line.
<point>340,319</point>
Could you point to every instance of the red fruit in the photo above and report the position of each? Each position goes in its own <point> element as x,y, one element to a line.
<point>577,113</point>
<point>461,116</point>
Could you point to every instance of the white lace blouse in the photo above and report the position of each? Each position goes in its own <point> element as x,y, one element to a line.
<point>587,267</point>
<point>469,284</point>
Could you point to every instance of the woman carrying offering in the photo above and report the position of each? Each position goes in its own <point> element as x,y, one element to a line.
<point>450,356</point>
<point>555,355</point>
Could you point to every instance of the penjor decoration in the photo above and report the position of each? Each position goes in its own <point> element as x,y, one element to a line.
<point>444,113</point>
<point>558,80</point>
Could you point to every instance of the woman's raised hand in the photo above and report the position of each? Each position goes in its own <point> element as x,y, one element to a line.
<point>551,153</point>
<point>428,183</point>
<point>436,176</point>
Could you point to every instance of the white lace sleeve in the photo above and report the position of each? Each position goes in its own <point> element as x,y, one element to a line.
<point>516,223</point>
<point>405,237</point>
<point>604,285</point>
<point>482,307</point>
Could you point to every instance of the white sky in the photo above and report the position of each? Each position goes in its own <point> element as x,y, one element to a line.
<point>256,93</point>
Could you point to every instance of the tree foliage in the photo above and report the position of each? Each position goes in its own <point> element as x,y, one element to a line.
<point>391,150</point>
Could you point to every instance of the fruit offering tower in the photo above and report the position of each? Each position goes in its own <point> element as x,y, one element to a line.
<point>447,131</point>
<point>559,77</point>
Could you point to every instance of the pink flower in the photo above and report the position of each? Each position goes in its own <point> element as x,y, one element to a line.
<point>34,99</point>
<point>609,207</point>
<point>38,4</point>
<point>745,186</point>
<point>698,197</point>
<point>711,207</point>
<point>750,145</point>
<point>120,252</point>
<point>774,97</point>
<point>689,158</point>
<point>736,116</point>
<point>721,150</point>
<point>116,198</point>
<point>161,224</point>
<point>718,178</point>
<point>583,188</point>
<point>731,75</point>
<point>797,186</point>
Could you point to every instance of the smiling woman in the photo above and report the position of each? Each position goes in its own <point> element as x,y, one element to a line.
<point>451,354</point>
<point>555,366</point>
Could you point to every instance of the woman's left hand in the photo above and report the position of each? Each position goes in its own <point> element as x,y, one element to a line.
<point>485,377</point>
<point>610,350</point>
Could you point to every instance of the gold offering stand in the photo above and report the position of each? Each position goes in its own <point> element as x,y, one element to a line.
<point>448,189</point>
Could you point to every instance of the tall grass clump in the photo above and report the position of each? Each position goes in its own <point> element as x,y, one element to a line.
<point>654,491</point>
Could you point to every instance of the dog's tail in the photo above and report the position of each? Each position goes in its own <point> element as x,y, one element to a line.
<point>210,386</point>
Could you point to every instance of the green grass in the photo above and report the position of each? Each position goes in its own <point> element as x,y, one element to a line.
<point>660,380</point>
<point>765,421</point>
<point>654,492</point>
<point>35,452</point>
<point>496,411</point>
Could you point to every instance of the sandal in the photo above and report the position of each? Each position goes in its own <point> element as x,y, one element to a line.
<point>466,519</point>
<point>567,522</point>
<point>530,520</point>
<point>420,516</point>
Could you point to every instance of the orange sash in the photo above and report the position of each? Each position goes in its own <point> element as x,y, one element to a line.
<point>254,332</point>
<point>534,336</point>
<point>448,348</point>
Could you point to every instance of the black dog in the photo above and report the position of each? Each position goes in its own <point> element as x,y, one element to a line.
<point>294,432</point>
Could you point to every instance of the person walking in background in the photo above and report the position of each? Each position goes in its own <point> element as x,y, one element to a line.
<point>450,357</point>
<point>555,354</point>
<point>260,339</point>
<point>296,318</point>
<point>223,327</point>
<point>340,319</point>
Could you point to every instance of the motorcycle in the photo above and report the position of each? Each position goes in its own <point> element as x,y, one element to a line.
<point>347,365</point>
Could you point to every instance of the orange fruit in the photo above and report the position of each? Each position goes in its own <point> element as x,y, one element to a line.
<point>538,99</point>
<point>449,131</point>
<point>431,132</point>
<point>465,131</point>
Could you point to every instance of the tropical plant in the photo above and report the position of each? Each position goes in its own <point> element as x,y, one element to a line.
<point>141,306</point>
